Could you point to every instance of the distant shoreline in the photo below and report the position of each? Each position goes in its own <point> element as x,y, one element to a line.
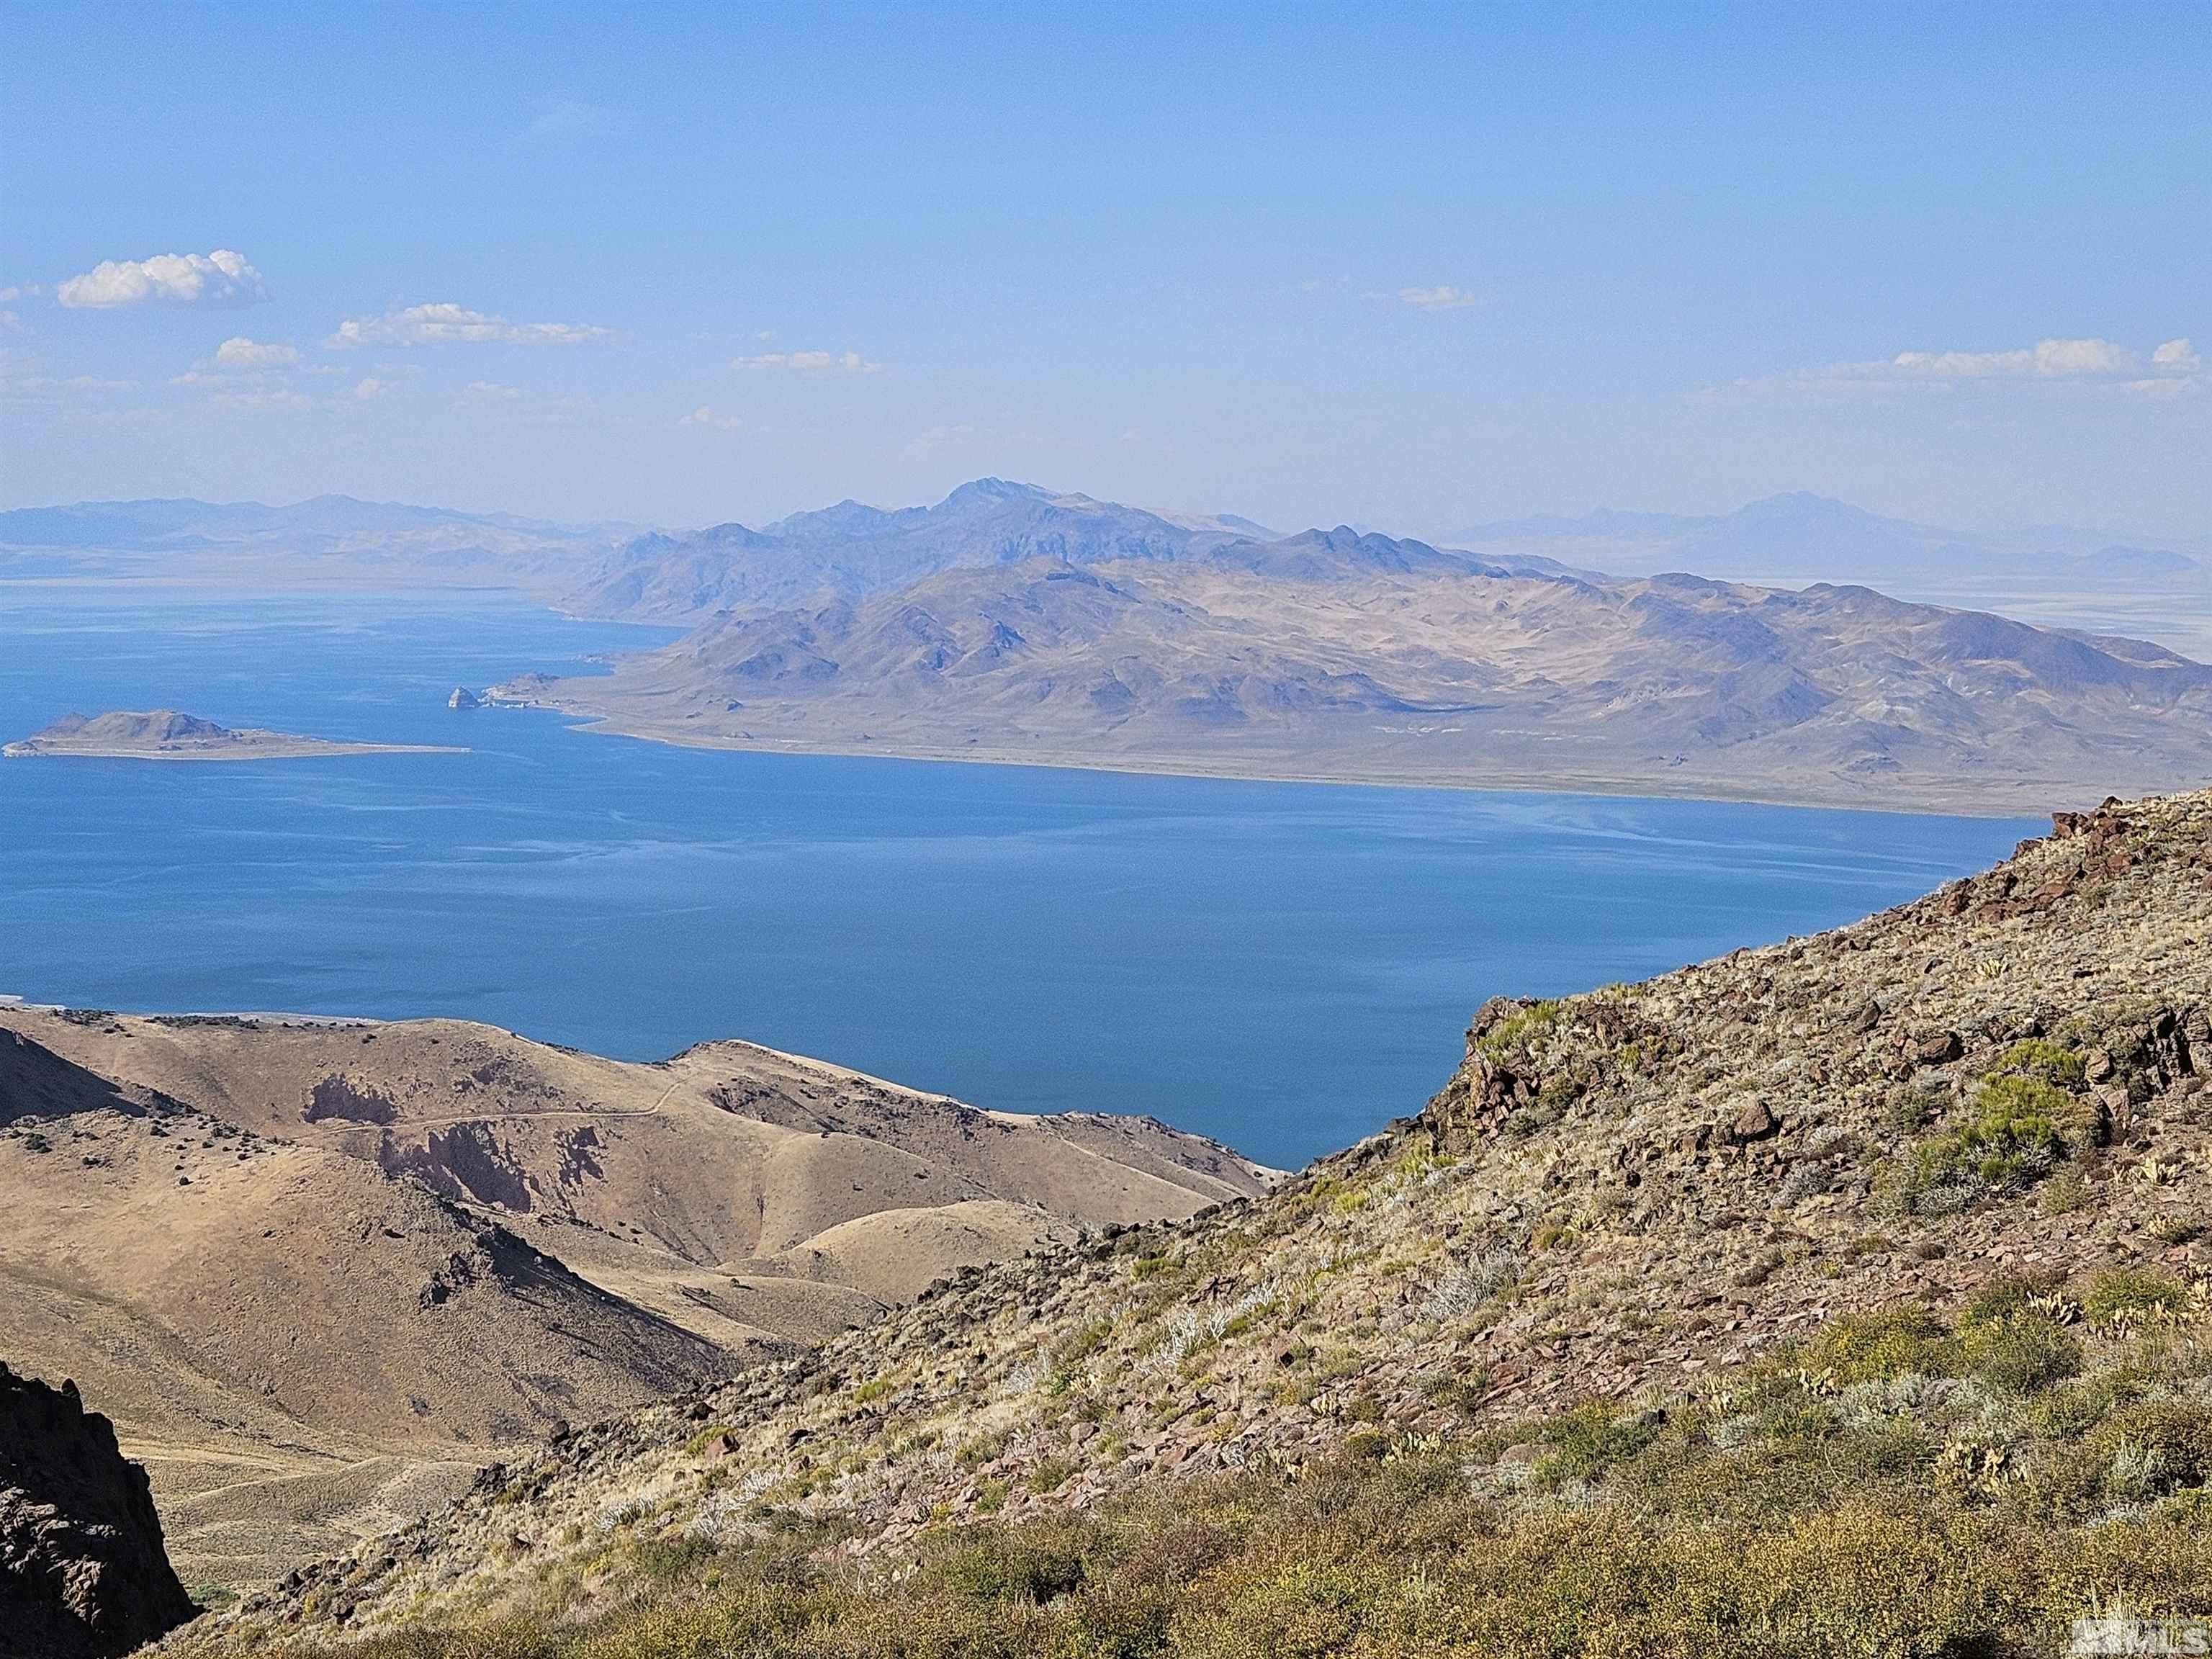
<point>291,749</point>
<point>2031,798</point>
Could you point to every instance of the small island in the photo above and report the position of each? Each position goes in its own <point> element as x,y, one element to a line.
<point>165,734</point>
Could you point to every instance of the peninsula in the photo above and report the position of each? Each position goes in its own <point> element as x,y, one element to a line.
<point>165,734</point>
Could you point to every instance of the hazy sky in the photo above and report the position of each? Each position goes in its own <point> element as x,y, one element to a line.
<point>1417,267</point>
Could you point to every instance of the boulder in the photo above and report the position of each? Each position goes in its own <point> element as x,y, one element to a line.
<point>1753,1121</point>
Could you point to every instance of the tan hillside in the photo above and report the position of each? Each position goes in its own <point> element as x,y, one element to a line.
<point>1873,1262</point>
<point>333,1268</point>
<point>1337,655</point>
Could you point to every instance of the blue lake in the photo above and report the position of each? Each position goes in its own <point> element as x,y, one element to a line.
<point>1286,966</point>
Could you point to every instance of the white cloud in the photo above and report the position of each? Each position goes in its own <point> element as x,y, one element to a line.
<point>2178,355</point>
<point>220,278</point>
<point>705,416</point>
<point>1443,297</point>
<point>2089,362</point>
<point>519,405</point>
<point>23,379</point>
<point>240,353</point>
<point>372,388</point>
<point>563,122</point>
<point>446,324</point>
<point>11,324</point>
<point>15,291</point>
<point>263,398</point>
<point>812,362</point>
<point>2046,358</point>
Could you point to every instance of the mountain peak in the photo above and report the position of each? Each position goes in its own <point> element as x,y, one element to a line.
<point>995,490</point>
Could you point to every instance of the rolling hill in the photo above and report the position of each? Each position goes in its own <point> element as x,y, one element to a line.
<point>326,1270</point>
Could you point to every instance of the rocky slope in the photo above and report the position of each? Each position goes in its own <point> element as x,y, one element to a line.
<point>330,1268</point>
<point>1734,1215</point>
<point>83,1573</point>
<point>1339,655</point>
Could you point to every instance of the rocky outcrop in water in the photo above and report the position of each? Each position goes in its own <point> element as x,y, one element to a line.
<point>83,1574</point>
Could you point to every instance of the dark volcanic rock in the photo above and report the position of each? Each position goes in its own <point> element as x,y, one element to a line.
<point>82,1571</point>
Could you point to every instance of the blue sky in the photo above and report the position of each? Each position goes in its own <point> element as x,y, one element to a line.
<point>1418,268</point>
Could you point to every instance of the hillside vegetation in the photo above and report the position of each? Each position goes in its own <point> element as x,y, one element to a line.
<point>1845,1297</point>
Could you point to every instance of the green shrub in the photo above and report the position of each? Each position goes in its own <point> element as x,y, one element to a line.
<point>1036,1564</point>
<point>2014,1135</point>
<point>1882,1344</point>
<point>1522,1030</point>
<point>1589,1440</point>
<point>1051,1474</point>
<point>2138,1292</point>
<point>2064,1193</point>
<point>2153,1447</point>
<point>2022,1353</point>
<point>2044,1061</point>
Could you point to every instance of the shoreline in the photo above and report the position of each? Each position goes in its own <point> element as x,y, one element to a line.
<point>302,748</point>
<point>2028,800</point>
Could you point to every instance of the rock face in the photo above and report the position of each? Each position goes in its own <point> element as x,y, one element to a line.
<point>464,698</point>
<point>82,1571</point>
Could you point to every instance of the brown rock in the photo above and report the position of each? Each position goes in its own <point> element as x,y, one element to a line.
<point>1752,1122</point>
<point>1938,1048</point>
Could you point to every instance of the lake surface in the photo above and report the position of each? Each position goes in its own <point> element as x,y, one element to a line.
<point>1286,966</point>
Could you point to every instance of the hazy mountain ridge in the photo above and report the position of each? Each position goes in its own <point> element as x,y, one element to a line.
<point>327,540</point>
<point>851,550</point>
<point>1702,1308</point>
<point>1802,536</point>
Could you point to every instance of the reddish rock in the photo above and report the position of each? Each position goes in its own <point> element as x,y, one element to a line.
<point>1937,1048</point>
<point>1754,1121</point>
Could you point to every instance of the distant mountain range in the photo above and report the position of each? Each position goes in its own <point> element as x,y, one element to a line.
<point>151,526</point>
<point>329,538</point>
<point>852,550</point>
<point>1010,622</point>
<point>1802,537</point>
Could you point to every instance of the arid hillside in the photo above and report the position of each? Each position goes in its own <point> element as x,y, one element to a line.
<point>1842,1296</point>
<point>325,1270</point>
<point>1334,654</point>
